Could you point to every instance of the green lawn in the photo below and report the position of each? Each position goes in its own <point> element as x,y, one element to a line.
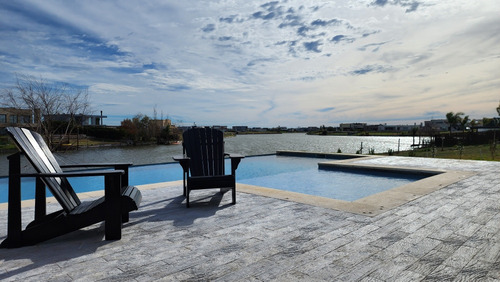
<point>473,152</point>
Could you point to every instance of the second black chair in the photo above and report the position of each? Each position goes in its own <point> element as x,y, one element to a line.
<point>203,162</point>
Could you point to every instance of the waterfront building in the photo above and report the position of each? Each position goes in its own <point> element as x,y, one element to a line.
<point>18,117</point>
<point>81,119</point>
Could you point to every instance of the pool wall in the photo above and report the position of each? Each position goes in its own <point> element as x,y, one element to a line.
<point>335,156</point>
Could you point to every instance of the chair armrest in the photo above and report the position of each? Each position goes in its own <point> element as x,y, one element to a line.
<point>74,173</point>
<point>180,158</point>
<point>97,165</point>
<point>184,161</point>
<point>235,161</point>
<point>232,156</point>
<point>117,166</point>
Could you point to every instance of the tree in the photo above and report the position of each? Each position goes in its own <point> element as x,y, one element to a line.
<point>453,119</point>
<point>129,129</point>
<point>47,100</point>
<point>463,122</point>
<point>414,131</point>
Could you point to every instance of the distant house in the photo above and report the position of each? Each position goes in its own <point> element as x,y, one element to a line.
<point>397,128</point>
<point>352,126</point>
<point>18,117</point>
<point>257,129</point>
<point>375,127</point>
<point>222,128</point>
<point>312,128</point>
<point>241,128</point>
<point>81,119</point>
<point>437,124</point>
<point>163,123</point>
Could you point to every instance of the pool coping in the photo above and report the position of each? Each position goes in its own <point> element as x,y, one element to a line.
<point>371,205</point>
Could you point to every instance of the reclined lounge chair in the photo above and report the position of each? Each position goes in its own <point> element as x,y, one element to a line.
<point>113,208</point>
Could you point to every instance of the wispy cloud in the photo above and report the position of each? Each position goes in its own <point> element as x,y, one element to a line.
<point>323,110</point>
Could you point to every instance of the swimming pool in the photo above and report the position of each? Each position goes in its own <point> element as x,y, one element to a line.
<point>285,172</point>
<point>302,175</point>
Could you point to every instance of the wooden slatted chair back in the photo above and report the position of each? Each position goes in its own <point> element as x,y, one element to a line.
<point>39,155</point>
<point>205,147</point>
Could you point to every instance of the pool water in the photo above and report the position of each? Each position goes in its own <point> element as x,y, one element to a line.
<point>299,174</point>
<point>296,174</point>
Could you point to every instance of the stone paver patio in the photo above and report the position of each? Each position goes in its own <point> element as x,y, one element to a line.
<point>452,234</point>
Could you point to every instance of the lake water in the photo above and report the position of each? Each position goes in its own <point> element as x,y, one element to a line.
<point>242,144</point>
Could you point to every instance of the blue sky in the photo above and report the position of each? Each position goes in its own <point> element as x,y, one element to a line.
<point>262,63</point>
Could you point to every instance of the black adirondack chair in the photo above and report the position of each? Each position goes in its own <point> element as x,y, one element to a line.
<point>113,208</point>
<point>203,156</point>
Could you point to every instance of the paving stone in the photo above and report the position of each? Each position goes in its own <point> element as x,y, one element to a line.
<point>461,257</point>
<point>394,268</point>
<point>443,273</point>
<point>429,262</point>
<point>475,271</point>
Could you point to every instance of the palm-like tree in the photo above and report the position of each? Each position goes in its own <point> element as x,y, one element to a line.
<point>454,119</point>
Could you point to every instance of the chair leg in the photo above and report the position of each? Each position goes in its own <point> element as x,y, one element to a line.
<point>113,218</point>
<point>14,225</point>
<point>187,197</point>
<point>234,195</point>
<point>125,217</point>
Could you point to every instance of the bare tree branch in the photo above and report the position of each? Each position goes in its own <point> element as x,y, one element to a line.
<point>49,100</point>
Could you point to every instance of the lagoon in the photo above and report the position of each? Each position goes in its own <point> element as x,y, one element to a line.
<point>247,145</point>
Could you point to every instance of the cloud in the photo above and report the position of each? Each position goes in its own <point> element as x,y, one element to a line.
<point>313,46</point>
<point>177,87</point>
<point>302,31</point>
<point>370,69</point>
<point>413,7</point>
<point>291,20</point>
<point>228,19</point>
<point>271,11</point>
<point>270,108</point>
<point>339,38</point>
<point>380,3</point>
<point>259,61</point>
<point>208,28</point>
<point>324,23</point>
<point>192,58</point>
<point>108,87</point>
<point>225,38</point>
<point>328,109</point>
<point>263,15</point>
<point>411,4</point>
<point>369,46</point>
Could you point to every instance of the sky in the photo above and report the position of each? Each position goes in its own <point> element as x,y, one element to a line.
<point>262,63</point>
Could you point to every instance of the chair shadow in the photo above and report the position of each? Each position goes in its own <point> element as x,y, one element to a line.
<point>87,241</point>
<point>175,210</point>
<point>80,242</point>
